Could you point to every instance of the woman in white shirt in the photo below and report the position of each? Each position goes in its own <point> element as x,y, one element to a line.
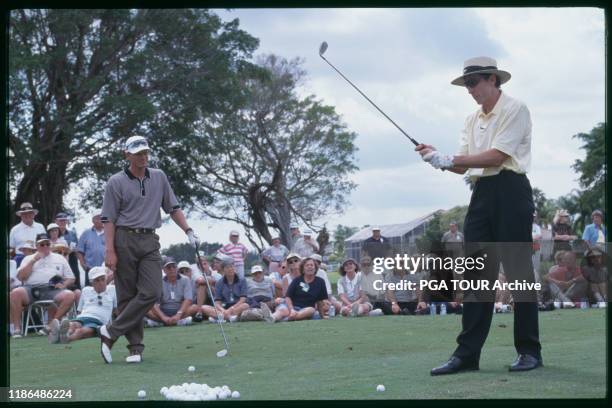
<point>351,295</point>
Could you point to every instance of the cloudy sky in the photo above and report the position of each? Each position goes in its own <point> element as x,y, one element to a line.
<point>404,60</point>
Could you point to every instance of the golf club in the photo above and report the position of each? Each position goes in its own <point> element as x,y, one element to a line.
<point>220,353</point>
<point>322,50</point>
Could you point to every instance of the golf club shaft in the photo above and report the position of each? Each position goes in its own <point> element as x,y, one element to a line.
<point>212,298</point>
<point>369,100</point>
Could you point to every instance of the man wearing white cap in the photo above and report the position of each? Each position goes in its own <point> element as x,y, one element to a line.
<point>495,151</point>
<point>130,214</point>
<point>295,235</point>
<point>26,230</point>
<point>376,246</point>
<point>95,308</point>
<point>306,245</point>
<point>237,251</point>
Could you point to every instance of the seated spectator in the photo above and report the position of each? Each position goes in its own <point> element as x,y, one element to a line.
<point>61,247</point>
<point>305,292</point>
<point>26,230</point>
<point>293,265</point>
<point>376,297</point>
<point>401,300</point>
<point>274,255</point>
<point>349,290</point>
<point>174,307</point>
<point>595,234</point>
<point>45,276</point>
<point>260,295</point>
<point>277,279</point>
<point>306,245</point>
<point>322,273</point>
<point>596,274</point>
<point>96,307</point>
<point>198,283</point>
<point>565,281</point>
<point>230,295</point>
<point>503,298</point>
<point>439,296</point>
<point>562,231</point>
<point>26,249</point>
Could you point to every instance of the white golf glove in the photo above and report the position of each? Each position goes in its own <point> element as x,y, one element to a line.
<point>194,240</point>
<point>439,160</point>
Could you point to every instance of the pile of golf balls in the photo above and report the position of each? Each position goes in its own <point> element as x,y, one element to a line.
<point>197,392</point>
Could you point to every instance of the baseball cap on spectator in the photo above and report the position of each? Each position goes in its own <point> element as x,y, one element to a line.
<point>169,261</point>
<point>136,144</point>
<point>42,237</point>
<point>293,255</point>
<point>26,208</point>
<point>183,264</point>
<point>234,233</point>
<point>27,245</point>
<point>375,228</point>
<point>96,213</point>
<point>226,261</point>
<point>60,216</point>
<point>307,233</point>
<point>256,268</point>
<point>316,257</point>
<point>275,237</point>
<point>51,226</point>
<point>96,272</point>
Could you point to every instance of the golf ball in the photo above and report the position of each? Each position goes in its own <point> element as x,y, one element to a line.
<point>191,369</point>
<point>142,394</point>
<point>380,388</point>
<point>235,395</point>
<point>221,353</point>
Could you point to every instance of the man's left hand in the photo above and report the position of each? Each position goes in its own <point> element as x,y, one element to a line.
<point>194,240</point>
<point>438,160</point>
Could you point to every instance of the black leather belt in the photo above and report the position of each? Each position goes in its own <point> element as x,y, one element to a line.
<point>137,230</point>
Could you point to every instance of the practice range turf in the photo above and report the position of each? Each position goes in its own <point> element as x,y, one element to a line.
<point>339,358</point>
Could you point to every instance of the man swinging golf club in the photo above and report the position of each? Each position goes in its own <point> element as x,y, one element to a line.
<point>130,214</point>
<point>495,152</point>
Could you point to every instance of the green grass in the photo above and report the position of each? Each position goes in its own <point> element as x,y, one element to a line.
<point>336,359</point>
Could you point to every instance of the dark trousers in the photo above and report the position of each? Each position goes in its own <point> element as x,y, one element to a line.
<point>138,282</point>
<point>498,226</point>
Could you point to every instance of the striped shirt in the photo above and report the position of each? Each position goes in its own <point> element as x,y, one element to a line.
<point>506,128</point>
<point>236,251</point>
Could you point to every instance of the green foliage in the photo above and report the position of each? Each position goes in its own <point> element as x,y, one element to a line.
<point>545,207</point>
<point>439,224</point>
<point>341,233</point>
<point>185,252</point>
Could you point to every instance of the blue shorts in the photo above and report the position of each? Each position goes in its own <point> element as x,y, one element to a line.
<point>90,322</point>
<point>315,316</point>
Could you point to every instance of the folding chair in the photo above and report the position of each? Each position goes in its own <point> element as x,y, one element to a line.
<point>40,306</point>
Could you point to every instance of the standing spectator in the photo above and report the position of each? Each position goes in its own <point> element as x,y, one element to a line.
<point>237,251</point>
<point>562,231</point>
<point>376,246</point>
<point>274,254</point>
<point>306,245</point>
<point>402,300</point>
<point>595,234</point>
<point>26,230</point>
<point>295,236</point>
<point>96,306</point>
<point>70,236</point>
<point>349,290</point>
<point>452,240</point>
<point>230,295</point>
<point>92,244</point>
<point>596,274</point>
<point>175,306</point>
<point>45,276</point>
<point>536,236</point>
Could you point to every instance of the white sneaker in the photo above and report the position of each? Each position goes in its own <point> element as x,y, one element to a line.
<point>267,313</point>
<point>568,305</point>
<point>54,332</point>
<point>602,305</point>
<point>63,331</point>
<point>355,310</point>
<point>233,319</point>
<point>152,323</point>
<point>184,322</point>
<point>376,312</point>
<point>134,359</point>
<point>105,340</point>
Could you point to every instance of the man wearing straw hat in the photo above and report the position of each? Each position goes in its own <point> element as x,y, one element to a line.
<point>26,230</point>
<point>495,151</point>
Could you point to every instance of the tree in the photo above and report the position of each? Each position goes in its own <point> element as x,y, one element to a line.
<point>281,157</point>
<point>545,207</point>
<point>430,240</point>
<point>82,80</point>
<point>341,233</point>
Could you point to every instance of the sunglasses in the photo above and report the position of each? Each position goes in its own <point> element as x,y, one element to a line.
<point>283,267</point>
<point>471,82</point>
<point>293,261</point>
<point>44,244</point>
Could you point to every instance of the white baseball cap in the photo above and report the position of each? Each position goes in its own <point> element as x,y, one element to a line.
<point>51,226</point>
<point>307,233</point>
<point>234,233</point>
<point>136,144</point>
<point>96,272</point>
<point>183,264</point>
<point>256,268</point>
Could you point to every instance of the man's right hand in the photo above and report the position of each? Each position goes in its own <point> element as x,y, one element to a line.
<point>110,259</point>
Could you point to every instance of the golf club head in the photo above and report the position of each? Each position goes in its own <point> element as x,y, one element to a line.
<point>322,48</point>
<point>222,353</point>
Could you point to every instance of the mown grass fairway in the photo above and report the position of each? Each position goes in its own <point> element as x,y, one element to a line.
<point>335,359</point>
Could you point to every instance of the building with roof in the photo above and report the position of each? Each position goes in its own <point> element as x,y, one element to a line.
<point>402,237</point>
